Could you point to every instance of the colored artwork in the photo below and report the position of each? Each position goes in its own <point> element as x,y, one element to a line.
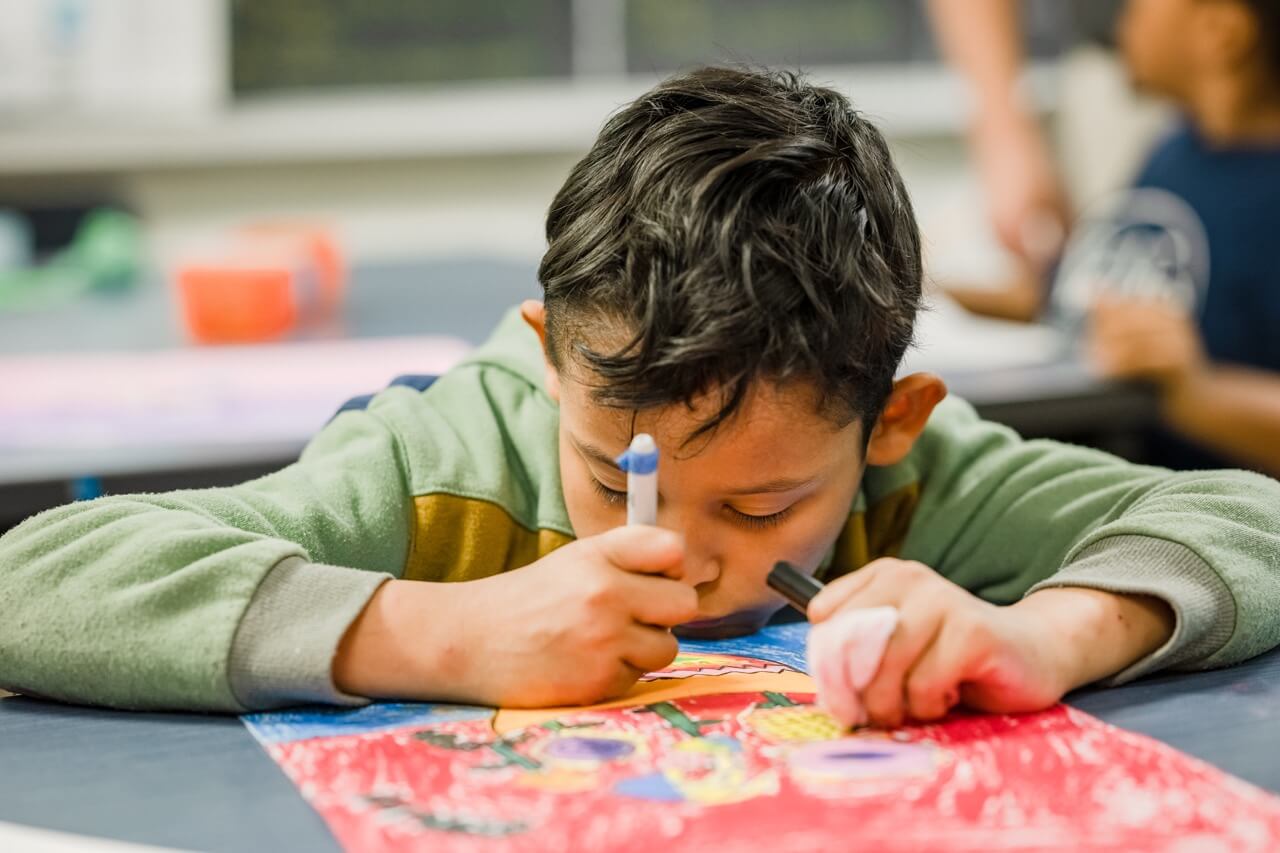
<point>724,750</point>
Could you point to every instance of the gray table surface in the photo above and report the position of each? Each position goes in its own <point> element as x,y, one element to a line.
<point>203,783</point>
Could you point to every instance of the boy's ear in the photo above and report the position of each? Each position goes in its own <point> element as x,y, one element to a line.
<point>904,417</point>
<point>535,314</point>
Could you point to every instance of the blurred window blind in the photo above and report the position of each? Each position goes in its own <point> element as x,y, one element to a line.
<point>308,44</point>
<point>282,45</point>
<point>663,35</point>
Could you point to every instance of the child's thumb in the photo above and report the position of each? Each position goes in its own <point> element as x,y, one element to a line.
<point>643,548</point>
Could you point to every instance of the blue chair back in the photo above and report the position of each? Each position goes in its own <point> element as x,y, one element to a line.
<point>417,381</point>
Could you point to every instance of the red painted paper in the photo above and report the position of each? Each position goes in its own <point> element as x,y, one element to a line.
<point>727,753</point>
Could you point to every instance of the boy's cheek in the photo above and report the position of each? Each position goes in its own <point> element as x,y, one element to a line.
<point>588,520</point>
<point>588,512</point>
<point>743,587</point>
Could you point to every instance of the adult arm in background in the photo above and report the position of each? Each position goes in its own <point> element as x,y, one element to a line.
<point>1028,206</point>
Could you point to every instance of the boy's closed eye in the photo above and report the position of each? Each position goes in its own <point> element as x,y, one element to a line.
<point>614,497</point>
<point>611,496</point>
<point>773,519</point>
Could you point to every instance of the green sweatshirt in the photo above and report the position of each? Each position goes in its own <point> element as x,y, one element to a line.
<point>236,598</point>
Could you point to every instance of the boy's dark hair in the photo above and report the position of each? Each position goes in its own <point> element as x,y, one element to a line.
<point>727,226</point>
<point>1267,15</point>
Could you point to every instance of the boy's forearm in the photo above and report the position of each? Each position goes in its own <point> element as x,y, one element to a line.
<point>405,644</point>
<point>1234,410</point>
<point>1099,633</point>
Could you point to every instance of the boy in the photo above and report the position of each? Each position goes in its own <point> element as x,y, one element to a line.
<point>734,268</point>
<point>1180,280</point>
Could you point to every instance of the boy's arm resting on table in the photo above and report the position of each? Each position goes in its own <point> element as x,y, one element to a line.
<point>576,626</point>
<point>218,599</point>
<point>1009,519</point>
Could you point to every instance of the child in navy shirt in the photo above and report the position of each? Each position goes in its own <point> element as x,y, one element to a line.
<point>1177,280</point>
<point>1218,364</point>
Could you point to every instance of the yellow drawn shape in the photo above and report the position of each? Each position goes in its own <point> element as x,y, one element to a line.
<point>797,724</point>
<point>723,778</point>
<point>663,690</point>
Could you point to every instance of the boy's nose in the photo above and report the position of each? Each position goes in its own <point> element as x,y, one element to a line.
<point>702,551</point>
<point>700,568</point>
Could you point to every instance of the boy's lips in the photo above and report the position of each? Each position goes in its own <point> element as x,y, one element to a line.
<point>732,625</point>
<point>705,623</point>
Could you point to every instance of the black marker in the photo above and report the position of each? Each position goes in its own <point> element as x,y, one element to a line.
<point>797,587</point>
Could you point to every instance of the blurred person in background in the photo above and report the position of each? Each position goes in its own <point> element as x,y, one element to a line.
<point>1026,199</point>
<point>1177,280</point>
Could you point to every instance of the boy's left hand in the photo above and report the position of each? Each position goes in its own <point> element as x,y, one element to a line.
<point>950,646</point>
<point>1144,339</point>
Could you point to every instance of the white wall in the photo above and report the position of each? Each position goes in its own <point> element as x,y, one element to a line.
<point>477,190</point>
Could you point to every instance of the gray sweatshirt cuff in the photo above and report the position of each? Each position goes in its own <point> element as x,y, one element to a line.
<point>1202,604</point>
<point>284,647</point>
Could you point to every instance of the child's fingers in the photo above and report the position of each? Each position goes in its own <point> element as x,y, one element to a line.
<point>844,655</point>
<point>836,695</point>
<point>623,679</point>
<point>1138,356</point>
<point>885,696</point>
<point>649,649</point>
<point>1118,355</point>
<point>837,594</point>
<point>657,600</point>
<point>933,684</point>
<point>865,643</point>
<point>644,549</point>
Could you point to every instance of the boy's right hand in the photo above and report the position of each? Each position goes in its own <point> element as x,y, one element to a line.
<point>577,626</point>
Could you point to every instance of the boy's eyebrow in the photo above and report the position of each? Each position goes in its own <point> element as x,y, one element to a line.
<point>779,484</point>
<point>595,453</point>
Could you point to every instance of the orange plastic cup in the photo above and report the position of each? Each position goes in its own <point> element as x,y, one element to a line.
<point>231,304</point>
<point>267,280</point>
<point>320,248</point>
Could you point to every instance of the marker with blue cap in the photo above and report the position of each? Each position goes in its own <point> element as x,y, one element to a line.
<point>641,464</point>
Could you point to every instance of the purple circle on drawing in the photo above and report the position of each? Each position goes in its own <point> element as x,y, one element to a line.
<point>580,748</point>
<point>860,758</point>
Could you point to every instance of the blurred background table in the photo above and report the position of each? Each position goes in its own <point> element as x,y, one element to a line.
<point>1019,376</point>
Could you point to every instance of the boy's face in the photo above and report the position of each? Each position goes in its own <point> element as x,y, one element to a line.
<point>1153,40</point>
<point>775,482</point>
<point>1167,43</point>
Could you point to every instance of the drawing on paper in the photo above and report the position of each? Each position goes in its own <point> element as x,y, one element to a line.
<point>725,750</point>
